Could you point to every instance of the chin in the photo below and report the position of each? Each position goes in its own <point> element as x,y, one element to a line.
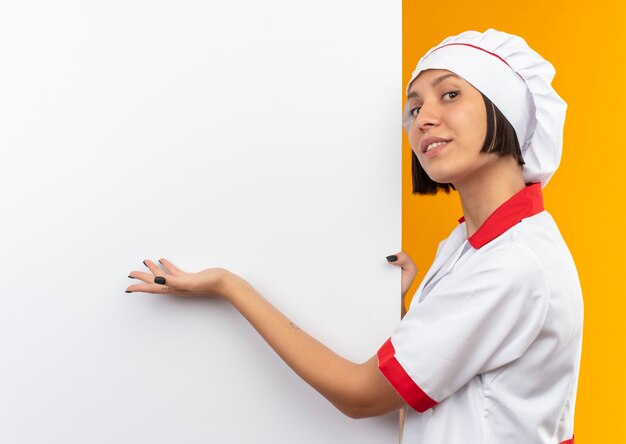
<point>441,177</point>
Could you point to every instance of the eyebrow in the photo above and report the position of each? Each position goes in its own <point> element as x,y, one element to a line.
<point>435,82</point>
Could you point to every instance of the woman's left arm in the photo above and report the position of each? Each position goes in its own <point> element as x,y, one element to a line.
<point>357,390</point>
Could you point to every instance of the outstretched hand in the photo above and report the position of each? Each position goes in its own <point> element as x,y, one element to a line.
<point>209,282</point>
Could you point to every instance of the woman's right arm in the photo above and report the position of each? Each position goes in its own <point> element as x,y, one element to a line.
<point>357,390</point>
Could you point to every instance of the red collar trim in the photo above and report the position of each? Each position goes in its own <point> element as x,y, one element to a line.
<point>525,203</point>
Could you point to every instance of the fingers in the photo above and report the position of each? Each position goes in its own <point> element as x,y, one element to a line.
<point>170,267</point>
<point>147,277</point>
<point>150,288</point>
<point>399,258</point>
<point>143,276</point>
<point>158,281</point>
<point>154,268</point>
<point>403,260</point>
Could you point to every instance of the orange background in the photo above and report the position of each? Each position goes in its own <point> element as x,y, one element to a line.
<point>586,44</point>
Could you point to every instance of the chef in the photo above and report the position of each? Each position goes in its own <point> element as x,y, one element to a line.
<point>489,350</point>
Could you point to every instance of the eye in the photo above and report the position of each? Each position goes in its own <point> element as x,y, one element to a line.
<point>450,94</point>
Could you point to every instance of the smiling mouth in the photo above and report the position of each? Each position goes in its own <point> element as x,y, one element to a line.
<point>435,145</point>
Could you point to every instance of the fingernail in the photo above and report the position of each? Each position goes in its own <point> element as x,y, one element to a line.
<point>144,262</point>
<point>392,258</point>
<point>128,291</point>
<point>160,261</point>
<point>159,280</point>
<point>131,276</point>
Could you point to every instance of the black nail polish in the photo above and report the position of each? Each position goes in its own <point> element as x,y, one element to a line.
<point>392,258</point>
<point>128,291</point>
<point>159,280</point>
<point>131,276</point>
<point>144,262</point>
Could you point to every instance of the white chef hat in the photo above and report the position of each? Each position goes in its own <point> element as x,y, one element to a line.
<point>518,81</point>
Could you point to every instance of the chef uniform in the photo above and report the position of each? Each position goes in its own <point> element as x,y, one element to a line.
<point>489,351</point>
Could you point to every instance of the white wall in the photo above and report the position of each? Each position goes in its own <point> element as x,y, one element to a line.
<point>263,137</point>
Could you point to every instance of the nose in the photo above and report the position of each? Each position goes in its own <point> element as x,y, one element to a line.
<point>427,117</point>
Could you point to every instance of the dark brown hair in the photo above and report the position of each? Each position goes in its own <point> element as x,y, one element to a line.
<point>500,139</point>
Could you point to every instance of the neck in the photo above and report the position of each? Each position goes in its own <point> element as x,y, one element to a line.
<point>483,194</point>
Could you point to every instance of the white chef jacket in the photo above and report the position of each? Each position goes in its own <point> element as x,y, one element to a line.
<point>489,350</point>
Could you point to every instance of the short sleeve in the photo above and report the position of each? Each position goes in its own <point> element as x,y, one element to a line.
<point>474,320</point>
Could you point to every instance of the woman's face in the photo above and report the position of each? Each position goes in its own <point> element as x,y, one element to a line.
<point>447,109</point>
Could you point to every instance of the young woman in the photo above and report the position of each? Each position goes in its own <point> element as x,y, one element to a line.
<point>489,350</point>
